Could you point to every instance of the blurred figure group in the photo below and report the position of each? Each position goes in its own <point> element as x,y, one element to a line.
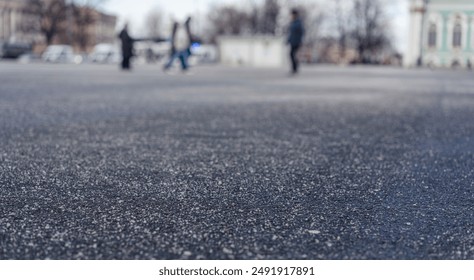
<point>128,46</point>
<point>181,41</point>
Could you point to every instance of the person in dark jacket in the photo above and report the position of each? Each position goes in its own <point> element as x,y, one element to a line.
<point>127,47</point>
<point>295,39</point>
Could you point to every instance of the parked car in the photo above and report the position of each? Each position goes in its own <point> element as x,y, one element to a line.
<point>28,58</point>
<point>59,54</point>
<point>105,53</point>
<point>14,50</point>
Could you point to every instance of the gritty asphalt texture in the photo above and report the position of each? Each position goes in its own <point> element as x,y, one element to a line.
<point>235,163</point>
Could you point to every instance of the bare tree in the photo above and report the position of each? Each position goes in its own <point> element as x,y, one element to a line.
<point>270,13</point>
<point>342,21</point>
<point>228,20</point>
<point>50,17</point>
<point>154,23</point>
<point>68,20</point>
<point>82,15</point>
<point>369,29</point>
<point>257,18</point>
<point>254,18</point>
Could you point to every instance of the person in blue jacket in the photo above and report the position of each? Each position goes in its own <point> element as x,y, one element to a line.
<point>295,39</point>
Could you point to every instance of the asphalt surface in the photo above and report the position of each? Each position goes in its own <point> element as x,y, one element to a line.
<point>235,163</point>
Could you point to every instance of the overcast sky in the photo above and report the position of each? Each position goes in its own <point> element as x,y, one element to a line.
<point>134,11</point>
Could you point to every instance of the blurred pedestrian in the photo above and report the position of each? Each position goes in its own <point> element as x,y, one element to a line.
<point>181,44</point>
<point>295,39</point>
<point>127,48</point>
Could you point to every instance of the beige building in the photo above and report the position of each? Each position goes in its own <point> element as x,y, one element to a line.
<point>104,28</point>
<point>13,14</point>
<point>14,17</point>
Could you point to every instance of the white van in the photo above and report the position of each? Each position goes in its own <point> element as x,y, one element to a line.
<point>59,54</point>
<point>105,53</point>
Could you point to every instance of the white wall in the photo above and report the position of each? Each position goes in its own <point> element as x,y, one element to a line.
<point>254,51</point>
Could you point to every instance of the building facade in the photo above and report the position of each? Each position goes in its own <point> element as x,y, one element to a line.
<point>104,28</point>
<point>13,14</point>
<point>15,27</point>
<point>441,33</point>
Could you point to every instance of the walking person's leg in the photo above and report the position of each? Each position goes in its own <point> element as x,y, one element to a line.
<point>126,62</point>
<point>183,57</point>
<point>170,61</point>
<point>294,59</point>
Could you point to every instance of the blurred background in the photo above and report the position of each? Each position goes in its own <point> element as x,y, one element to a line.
<point>410,33</point>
